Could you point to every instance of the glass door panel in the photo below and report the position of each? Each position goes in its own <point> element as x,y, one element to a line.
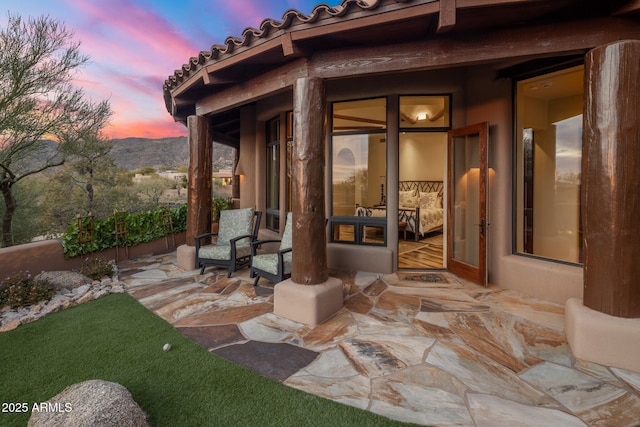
<point>466,211</point>
<point>466,254</point>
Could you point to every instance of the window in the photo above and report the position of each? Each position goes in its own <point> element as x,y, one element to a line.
<point>273,175</point>
<point>425,112</point>
<point>548,168</point>
<point>359,162</point>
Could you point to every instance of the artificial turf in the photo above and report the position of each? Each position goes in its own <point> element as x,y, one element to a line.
<point>116,339</point>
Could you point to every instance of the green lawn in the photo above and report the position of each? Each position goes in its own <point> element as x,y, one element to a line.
<point>116,339</point>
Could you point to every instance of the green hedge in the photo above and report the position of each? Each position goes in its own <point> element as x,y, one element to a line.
<point>142,227</point>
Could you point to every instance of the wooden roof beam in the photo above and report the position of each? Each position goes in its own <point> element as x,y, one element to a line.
<point>225,139</point>
<point>447,16</point>
<point>290,48</point>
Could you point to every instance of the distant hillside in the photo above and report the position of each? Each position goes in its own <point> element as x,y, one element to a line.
<point>135,153</point>
<point>165,153</point>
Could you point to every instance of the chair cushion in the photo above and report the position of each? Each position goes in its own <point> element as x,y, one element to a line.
<point>223,252</point>
<point>269,263</point>
<point>234,223</point>
<point>286,236</point>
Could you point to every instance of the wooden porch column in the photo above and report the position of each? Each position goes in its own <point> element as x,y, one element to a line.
<point>309,265</point>
<point>199,186</point>
<point>293,298</point>
<point>611,176</point>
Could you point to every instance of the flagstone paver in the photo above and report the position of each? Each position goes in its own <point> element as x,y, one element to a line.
<point>426,348</point>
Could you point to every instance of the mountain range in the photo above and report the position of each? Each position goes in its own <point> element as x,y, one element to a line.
<point>135,153</point>
<point>164,153</point>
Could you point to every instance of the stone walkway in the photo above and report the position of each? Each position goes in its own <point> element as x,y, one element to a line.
<point>426,348</point>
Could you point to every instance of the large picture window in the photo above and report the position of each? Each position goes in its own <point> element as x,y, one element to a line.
<point>548,165</point>
<point>359,162</point>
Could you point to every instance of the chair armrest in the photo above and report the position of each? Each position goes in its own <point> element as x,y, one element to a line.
<point>260,242</point>
<point>256,243</point>
<point>202,236</point>
<point>206,235</point>
<point>281,258</point>
<point>244,236</point>
<point>284,251</point>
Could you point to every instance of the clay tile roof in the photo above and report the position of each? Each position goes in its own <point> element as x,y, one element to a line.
<point>268,27</point>
<point>257,49</point>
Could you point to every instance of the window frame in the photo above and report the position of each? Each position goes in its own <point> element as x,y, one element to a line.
<point>520,75</point>
<point>357,222</point>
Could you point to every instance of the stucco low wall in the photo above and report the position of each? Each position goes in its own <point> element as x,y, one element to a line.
<point>48,255</point>
<point>373,259</point>
<point>546,280</point>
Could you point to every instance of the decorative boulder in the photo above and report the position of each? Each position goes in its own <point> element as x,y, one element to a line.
<point>64,279</point>
<point>94,403</point>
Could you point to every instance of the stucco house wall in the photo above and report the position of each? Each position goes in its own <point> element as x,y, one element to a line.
<point>477,96</point>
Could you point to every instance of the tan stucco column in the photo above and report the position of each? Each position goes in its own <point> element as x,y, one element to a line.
<point>605,326</point>
<point>198,187</point>
<point>310,296</point>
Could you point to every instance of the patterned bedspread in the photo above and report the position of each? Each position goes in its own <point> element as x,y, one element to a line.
<point>430,219</point>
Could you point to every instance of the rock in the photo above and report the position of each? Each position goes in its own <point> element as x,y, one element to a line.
<point>77,292</point>
<point>10,325</point>
<point>94,403</point>
<point>84,298</point>
<point>117,289</point>
<point>100,293</point>
<point>64,279</point>
<point>55,304</point>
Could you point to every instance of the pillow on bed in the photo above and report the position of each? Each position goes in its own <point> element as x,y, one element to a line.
<point>407,199</point>
<point>429,201</point>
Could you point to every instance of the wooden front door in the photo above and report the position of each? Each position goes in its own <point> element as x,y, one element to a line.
<point>467,202</point>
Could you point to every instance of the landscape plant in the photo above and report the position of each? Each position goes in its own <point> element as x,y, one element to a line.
<point>219,204</point>
<point>22,289</point>
<point>96,268</point>
<point>142,227</point>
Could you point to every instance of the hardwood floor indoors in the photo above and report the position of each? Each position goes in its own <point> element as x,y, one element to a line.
<point>424,254</point>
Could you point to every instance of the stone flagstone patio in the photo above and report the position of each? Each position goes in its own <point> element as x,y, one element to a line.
<point>423,348</point>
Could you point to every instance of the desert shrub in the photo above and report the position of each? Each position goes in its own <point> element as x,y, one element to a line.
<point>96,268</point>
<point>21,289</point>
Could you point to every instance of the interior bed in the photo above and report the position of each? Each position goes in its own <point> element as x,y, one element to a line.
<point>420,207</point>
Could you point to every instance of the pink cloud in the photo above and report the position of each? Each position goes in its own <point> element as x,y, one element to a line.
<point>146,129</point>
<point>250,12</point>
<point>133,25</point>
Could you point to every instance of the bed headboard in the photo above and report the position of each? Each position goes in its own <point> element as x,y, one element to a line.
<point>422,186</point>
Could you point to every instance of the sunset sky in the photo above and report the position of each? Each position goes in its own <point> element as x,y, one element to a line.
<point>135,45</point>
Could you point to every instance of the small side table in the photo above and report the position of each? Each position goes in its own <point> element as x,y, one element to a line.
<point>402,226</point>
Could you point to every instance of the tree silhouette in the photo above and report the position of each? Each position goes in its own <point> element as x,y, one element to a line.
<point>38,102</point>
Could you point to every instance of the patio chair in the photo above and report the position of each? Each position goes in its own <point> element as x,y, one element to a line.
<point>238,228</point>
<point>275,267</point>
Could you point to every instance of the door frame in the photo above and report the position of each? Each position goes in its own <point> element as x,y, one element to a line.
<point>477,274</point>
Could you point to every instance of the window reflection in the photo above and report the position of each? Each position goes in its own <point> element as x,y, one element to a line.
<point>548,168</point>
